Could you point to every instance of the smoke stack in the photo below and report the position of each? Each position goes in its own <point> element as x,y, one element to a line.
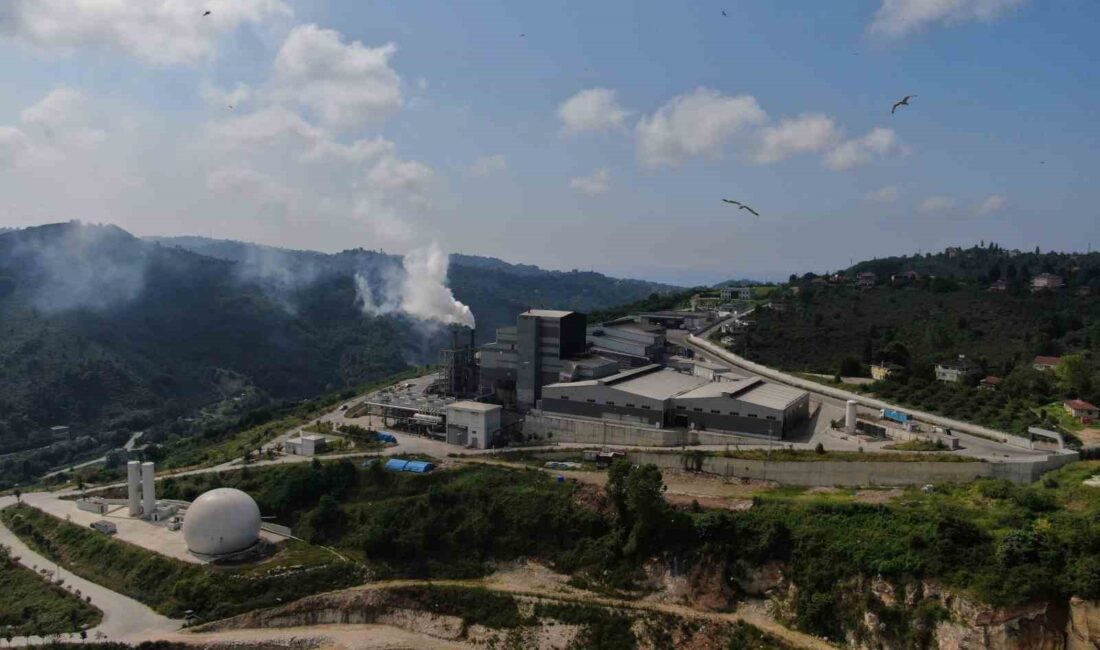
<point>133,488</point>
<point>472,331</point>
<point>148,491</point>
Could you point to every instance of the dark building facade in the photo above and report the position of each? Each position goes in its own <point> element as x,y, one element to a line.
<point>532,354</point>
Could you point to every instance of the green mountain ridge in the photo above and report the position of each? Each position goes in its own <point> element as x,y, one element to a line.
<point>109,334</point>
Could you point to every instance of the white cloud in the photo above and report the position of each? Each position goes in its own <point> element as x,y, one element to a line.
<point>248,184</point>
<point>592,110</point>
<point>262,127</point>
<point>15,146</point>
<point>936,204</point>
<point>594,185</point>
<point>992,204</point>
<point>61,117</point>
<point>394,180</point>
<point>809,132</point>
<point>694,124</point>
<point>888,194</point>
<point>158,32</point>
<point>344,84</point>
<point>878,144</point>
<point>357,151</point>
<point>219,98</point>
<point>897,18</point>
<point>489,165</point>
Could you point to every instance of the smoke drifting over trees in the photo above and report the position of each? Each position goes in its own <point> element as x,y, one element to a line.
<point>421,291</point>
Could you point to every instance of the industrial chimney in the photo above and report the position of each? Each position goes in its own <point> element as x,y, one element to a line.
<point>148,491</point>
<point>133,487</point>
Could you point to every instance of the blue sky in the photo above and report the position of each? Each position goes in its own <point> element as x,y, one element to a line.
<point>462,132</point>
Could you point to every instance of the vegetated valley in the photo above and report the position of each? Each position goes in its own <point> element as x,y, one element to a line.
<point>109,334</point>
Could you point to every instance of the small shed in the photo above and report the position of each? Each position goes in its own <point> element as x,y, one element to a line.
<point>387,437</point>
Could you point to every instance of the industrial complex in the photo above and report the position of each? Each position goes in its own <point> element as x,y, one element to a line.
<point>626,372</point>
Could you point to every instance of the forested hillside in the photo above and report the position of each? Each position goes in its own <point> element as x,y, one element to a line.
<point>109,334</point>
<point>923,310</point>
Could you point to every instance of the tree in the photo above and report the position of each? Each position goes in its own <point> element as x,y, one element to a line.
<point>645,490</point>
<point>1074,375</point>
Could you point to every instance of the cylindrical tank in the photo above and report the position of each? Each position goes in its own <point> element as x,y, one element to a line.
<point>133,487</point>
<point>148,491</point>
<point>850,417</point>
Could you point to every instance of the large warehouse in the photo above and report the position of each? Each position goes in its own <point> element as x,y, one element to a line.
<point>659,397</point>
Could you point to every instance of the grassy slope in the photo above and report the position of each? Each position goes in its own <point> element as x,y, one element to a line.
<point>171,586</point>
<point>29,604</point>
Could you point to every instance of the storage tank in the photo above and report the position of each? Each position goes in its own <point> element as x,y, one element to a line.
<point>220,522</point>
<point>850,417</point>
<point>133,488</point>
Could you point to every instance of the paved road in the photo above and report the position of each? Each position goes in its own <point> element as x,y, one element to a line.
<point>124,619</point>
<point>979,445</point>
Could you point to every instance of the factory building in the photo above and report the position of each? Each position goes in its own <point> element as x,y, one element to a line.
<point>678,320</point>
<point>306,445</point>
<point>658,397</point>
<point>472,424</point>
<point>534,353</point>
<point>631,343</point>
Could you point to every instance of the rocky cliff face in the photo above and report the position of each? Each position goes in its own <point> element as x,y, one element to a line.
<point>917,615</point>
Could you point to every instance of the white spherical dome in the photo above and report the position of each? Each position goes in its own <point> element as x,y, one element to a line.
<point>221,521</point>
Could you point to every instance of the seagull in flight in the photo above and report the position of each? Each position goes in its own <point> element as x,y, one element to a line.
<point>903,102</point>
<point>206,13</point>
<point>741,206</point>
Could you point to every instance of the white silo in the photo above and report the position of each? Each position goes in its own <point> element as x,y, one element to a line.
<point>850,417</point>
<point>148,491</point>
<point>133,487</point>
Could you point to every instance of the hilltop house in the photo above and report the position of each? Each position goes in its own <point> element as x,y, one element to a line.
<point>1044,364</point>
<point>866,279</point>
<point>1047,282</point>
<point>738,293</point>
<point>959,370</point>
<point>1082,410</point>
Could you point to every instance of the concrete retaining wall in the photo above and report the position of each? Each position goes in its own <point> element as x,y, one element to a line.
<point>605,432</point>
<point>829,473</point>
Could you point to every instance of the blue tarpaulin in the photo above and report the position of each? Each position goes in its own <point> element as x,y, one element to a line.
<point>419,466</point>
<point>387,437</point>
<point>401,465</point>
<point>396,464</point>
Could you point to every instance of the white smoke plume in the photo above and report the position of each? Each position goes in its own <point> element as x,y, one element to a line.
<point>421,292</point>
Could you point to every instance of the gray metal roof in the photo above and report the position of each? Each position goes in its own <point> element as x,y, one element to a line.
<point>547,313</point>
<point>662,384</point>
<point>773,396</point>
<point>480,407</point>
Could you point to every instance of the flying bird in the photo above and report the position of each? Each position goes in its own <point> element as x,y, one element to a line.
<point>741,206</point>
<point>206,13</point>
<point>903,102</point>
<point>723,12</point>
